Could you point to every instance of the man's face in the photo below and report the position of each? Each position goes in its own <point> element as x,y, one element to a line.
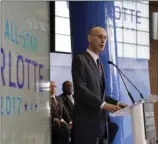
<point>53,88</point>
<point>97,39</point>
<point>68,88</point>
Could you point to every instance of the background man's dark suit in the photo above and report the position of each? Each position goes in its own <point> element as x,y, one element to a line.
<point>68,104</point>
<point>88,120</point>
<point>60,134</point>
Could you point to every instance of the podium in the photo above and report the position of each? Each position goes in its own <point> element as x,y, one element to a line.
<point>143,124</point>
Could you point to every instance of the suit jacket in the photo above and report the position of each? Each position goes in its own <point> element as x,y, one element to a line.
<point>88,119</point>
<point>68,104</point>
<point>60,113</point>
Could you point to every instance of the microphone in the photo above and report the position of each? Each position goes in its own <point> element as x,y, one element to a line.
<point>109,62</point>
<point>129,94</point>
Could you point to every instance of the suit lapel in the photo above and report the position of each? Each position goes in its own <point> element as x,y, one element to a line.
<point>53,105</point>
<point>59,105</point>
<point>93,66</point>
<point>69,101</point>
<point>58,111</point>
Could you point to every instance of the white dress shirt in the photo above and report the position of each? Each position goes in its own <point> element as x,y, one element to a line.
<point>93,55</point>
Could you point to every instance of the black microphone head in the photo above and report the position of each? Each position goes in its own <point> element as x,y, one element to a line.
<point>109,62</point>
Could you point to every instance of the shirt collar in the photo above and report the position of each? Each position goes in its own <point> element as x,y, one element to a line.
<point>52,96</point>
<point>69,95</point>
<point>93,55</point>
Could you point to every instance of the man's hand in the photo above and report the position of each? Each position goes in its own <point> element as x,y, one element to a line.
<point>70,125</point>
<point>122,105</point>
<point>62,121</point>
<point>57,121</point>
<point>111,107</point>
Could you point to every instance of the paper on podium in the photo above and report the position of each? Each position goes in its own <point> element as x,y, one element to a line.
<point>126,111</point>
<point>123,112</point>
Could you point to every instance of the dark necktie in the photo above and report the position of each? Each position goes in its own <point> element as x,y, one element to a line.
<point>101,74</point>
<point>99,66</point>
<point>55,102</point>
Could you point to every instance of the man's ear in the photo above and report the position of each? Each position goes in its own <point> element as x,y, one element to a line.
<point>89,38</point>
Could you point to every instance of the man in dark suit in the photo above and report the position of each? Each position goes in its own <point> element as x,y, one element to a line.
<point>91,104</point>
<point>60,120</point>
<point>67,97</point>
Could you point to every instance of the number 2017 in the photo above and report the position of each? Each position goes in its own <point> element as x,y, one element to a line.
<point>10,105</point>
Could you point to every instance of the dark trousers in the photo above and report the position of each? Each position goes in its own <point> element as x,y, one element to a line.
<point>112,130</point>
<point>60,135</point>
<point>85,140</point>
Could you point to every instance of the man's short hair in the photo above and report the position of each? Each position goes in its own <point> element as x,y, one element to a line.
<point>90,30</point>
<point>65,83</point>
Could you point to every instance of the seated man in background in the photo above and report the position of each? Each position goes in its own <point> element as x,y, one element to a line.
<point>67,97</point>
<point>61,121</point>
